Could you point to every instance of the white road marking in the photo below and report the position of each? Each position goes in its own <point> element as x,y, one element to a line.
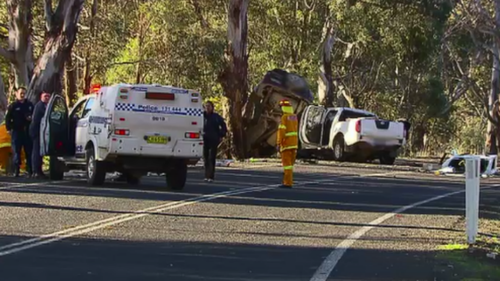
<point>250,175</point>
<point>16,185</point>
<point>154,178</point>
<point>333,203</point>
<point>83,229</point>
<point>251,166</point>
<point>326,268</point>
<point>115,189</point>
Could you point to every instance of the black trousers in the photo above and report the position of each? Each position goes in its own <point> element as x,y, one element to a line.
<point>209,156</point>
<point>21,140</point>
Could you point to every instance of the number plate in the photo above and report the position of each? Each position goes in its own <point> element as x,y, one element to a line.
<point>157,139</point>
<point>159,118</point>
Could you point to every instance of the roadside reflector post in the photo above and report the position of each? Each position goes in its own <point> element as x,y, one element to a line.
<point>472,186</point>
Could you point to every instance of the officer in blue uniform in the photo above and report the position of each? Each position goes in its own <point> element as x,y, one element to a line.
<point>34,130</point>
<point>214,130</point>
<point>17,122</point>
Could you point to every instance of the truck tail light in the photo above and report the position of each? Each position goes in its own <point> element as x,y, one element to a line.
<point>192,135</point>
<point>358,126</point>
<point>122,132</point>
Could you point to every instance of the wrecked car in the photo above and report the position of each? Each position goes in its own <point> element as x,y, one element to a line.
<point>262,113</point>
<point>455,165</point>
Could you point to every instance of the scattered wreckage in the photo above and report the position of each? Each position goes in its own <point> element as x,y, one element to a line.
<point>455,165</point>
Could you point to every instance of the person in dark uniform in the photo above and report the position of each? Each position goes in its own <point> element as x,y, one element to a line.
<point>17,122</point>
<point>38,114</point>
<point>214,130</point>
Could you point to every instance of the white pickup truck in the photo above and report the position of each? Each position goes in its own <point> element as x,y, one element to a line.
<point>342,133</point>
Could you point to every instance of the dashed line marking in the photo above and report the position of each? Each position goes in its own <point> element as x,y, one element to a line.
<point>86,228</point>
<point>329,264</point>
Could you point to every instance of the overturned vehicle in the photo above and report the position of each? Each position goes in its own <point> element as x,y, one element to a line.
<point>455,165</point>
<point>262,113</point>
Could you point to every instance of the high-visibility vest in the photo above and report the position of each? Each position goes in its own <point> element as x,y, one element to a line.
<point>288,130</point>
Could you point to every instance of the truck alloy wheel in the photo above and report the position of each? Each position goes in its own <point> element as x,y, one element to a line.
<point>338,149</point>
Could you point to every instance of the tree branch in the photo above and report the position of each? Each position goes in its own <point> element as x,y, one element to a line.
<point>199,13</point>
<point>48,13</point>
<point>83,27</point>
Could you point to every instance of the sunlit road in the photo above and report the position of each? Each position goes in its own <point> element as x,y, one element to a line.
<point>240,227</point>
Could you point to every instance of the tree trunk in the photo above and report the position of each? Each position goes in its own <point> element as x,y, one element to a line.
<point>492,141</point>
<point>20,47</point>
<point>87,76</point>
<point>233,78</point>
<point>71,83</point>
<point>87,80</point>
<point>417,139</point>
<point>61,34</point>
<point>3,100</point>
<point>325,80</point>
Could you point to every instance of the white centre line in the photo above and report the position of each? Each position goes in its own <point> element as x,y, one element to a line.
<point>16,185</point>
<point>83,229</point>
<point>329,264</point>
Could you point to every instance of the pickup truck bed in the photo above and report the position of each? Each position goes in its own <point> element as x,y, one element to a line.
<point>342,133</point>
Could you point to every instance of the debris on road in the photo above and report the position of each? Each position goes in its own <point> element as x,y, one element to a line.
<point>218,162</point>
<point>455,165</point>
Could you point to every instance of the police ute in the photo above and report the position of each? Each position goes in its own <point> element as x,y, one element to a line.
<point>131,129</point>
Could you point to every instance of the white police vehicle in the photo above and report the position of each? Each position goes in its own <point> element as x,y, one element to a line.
<point>131,129</point>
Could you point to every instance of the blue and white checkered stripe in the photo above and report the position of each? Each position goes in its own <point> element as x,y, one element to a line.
<point>194,111</point>
<point>159,109</point>
<point>124,106</point>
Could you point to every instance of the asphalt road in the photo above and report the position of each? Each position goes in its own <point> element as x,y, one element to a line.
<point>336,224</point>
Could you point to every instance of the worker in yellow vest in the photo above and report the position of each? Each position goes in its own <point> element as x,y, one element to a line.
<point>287,141</point>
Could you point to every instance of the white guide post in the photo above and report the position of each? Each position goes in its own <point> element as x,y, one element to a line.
<point>472,186</point>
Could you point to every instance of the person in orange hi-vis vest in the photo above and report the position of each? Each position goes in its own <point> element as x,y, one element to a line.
<point>287,142</point>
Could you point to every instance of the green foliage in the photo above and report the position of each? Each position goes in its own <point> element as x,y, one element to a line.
<point>390,55</point>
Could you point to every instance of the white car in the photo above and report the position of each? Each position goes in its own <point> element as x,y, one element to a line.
<point>131,129</point>
<point>338,133</point>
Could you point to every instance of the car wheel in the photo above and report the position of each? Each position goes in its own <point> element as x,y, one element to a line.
<point>176,177</point>
<point>96,172</point>
<point>339,149</point>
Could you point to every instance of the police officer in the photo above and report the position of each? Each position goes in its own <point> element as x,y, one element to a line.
<point>38,114</point>
<point>214,131</point>
<point>17,122</point>
<point>287,142</point>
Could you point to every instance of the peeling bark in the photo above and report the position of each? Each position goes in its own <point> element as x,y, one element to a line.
<point>492,141</point>
<point>87,80</point>
<point>325,80</point>
<point>20,50</point>
<point>59,41</point>
<point>233,78</point>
